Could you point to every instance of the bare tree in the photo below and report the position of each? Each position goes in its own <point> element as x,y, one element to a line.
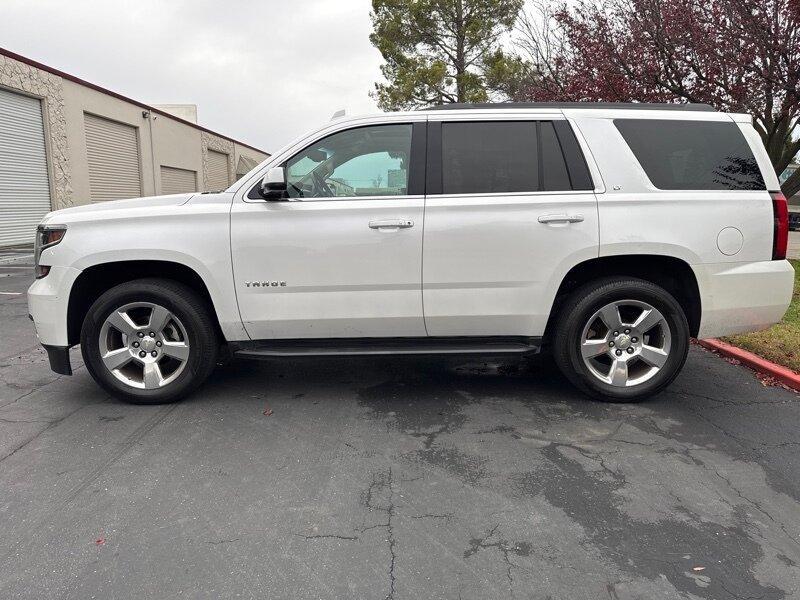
<point>737,55</point>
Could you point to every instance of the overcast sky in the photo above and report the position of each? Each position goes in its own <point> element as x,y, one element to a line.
<point>260,71</point>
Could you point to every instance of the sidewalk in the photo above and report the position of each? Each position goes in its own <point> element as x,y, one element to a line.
<point>14,253</point>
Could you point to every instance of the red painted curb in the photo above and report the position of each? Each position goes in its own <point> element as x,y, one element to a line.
<point>786,376</point>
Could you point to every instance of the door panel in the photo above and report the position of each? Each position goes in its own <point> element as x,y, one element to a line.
<point>342,257</point>
<point>499,235</point>
<point>343,277</point>
<point>490,266</point>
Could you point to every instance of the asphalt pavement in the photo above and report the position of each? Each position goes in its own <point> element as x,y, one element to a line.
<point>392,478</point>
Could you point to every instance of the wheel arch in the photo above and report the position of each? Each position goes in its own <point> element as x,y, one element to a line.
<point>673,274</point>
<point>97,279</point>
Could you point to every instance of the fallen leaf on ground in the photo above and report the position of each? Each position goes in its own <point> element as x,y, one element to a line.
<point>769,381</point>
<point>268,412</point>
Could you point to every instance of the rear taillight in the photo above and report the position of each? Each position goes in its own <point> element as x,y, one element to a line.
<point>780,239</point>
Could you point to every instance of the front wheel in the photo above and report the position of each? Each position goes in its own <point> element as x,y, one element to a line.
<point>621,340</point>
<point>149,341</point>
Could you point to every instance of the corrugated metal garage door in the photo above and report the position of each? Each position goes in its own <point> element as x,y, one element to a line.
<point>218,178</point>
<point>113,152</point>
<point>177,181</point>
<point>24,184</point>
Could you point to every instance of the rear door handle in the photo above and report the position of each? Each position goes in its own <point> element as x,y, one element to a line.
<point>560,218</point>
<point>391,224</point>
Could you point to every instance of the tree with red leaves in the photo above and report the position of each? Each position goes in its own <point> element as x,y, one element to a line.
<point>737,55</point>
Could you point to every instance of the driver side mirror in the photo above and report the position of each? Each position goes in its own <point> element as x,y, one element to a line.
<point>273,185</point>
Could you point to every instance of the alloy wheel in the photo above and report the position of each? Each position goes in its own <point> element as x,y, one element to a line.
<point>625,343</point>
<point>144,345</point>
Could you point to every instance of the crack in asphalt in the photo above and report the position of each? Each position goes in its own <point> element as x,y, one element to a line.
<point>505,548</point>
<point>378,497</point>
<point>722,402</point>
<point>610,528</point>
<point>35,389</point>
<point>446,516</point>
<point>126,444</point>
<point>327,536</point>
<point>383,482</point>
<point>50,425</point>
<point>757,506</point>
<point>218,542</point>
<point>746,443</point>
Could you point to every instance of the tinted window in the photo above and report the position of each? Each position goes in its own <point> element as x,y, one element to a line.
<point>554,169</point>
<point>692,155</point>
<point>485,157</point>
<point>366,161</point>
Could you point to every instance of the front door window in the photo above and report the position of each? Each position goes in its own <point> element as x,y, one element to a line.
<point>366,161</point>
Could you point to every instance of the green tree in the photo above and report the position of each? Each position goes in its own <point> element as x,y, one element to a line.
<point>441,51</point>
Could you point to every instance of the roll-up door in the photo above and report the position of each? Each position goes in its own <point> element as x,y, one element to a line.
<point>112,149</point>
<point>177,181</point>
<point>218,177</point>
<point>24,182</point>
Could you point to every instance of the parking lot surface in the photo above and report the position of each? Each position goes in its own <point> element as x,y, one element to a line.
<point>794,245</point>
<point>392,478</point>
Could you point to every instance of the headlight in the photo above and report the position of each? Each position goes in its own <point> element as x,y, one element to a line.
<point>46,236</point>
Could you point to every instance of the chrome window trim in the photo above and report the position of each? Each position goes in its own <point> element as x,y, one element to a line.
<point>303,142</point>
<point>514,194</point>
<point>434,116</point>
<point>339,198</point>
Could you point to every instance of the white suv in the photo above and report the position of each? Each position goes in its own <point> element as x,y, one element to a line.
<point>608,234</point>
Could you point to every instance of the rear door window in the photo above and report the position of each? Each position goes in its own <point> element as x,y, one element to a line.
<point>481,157</point>
<point>692,155</point>
<point>487,157</point>
<point>554,168</point>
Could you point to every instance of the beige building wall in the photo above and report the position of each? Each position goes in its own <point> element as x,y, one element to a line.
<point>47,87</point>
<point>162,139</point>
<point>79,100</point>
<point>187,112</point>
<point>170,141</point>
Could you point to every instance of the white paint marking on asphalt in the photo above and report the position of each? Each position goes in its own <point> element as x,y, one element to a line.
<point>10,293</point>
<point>16,267</point>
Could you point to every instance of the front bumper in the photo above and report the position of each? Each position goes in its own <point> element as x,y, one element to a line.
<point>48,303</point>
<point>742,297</point>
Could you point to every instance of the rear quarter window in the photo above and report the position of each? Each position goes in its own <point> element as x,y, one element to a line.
<point>692,155</point>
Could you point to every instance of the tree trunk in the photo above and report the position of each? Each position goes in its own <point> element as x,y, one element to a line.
<point>461,60</point>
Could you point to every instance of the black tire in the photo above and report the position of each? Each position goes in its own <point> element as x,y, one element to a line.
<point>579,307</point>
<point>186,305</point>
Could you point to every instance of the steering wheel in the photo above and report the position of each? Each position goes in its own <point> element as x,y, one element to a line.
<point>323,189</point>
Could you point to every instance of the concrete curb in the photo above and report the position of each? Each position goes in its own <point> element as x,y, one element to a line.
<point>786,376</point>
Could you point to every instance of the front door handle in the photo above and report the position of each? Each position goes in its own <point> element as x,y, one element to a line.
<point>391,224</point>
<point>561,218</point>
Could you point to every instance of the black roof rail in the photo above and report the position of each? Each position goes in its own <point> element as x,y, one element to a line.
<point>582,105</point>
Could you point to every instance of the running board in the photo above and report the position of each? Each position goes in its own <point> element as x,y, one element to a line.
<point>384,346</point>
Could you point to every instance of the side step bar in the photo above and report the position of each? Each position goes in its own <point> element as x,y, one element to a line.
<point>384,346</point>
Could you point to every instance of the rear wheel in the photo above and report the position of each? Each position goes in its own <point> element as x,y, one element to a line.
<point>149,341</point>
<point>621,339</point>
